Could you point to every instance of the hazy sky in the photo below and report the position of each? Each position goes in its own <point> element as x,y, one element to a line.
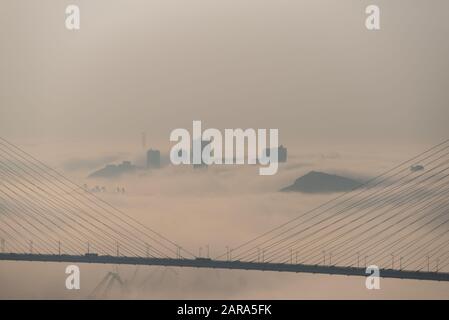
<point>309,68</point>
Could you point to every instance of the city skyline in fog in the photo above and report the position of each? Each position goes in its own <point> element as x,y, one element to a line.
<point>346,101</point>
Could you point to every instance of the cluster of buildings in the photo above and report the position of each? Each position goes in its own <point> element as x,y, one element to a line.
<point>114,170</point>
<point>153,161</point>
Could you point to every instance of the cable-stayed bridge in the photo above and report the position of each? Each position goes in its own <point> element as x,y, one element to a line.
<point>398,221</point>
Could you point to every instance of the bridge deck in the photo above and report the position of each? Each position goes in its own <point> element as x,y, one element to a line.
<point>219,264</point>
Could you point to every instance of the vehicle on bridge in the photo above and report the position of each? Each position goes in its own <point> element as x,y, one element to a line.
<point>91,255</point>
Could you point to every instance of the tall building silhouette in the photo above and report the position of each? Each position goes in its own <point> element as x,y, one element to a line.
<point>153,159</point>
<point>202,165</point>
<point>282,153</point>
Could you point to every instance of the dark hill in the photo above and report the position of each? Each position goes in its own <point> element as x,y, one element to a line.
<point>320,182</point>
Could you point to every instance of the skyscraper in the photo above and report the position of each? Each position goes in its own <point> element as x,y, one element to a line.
<point>202,165</point>
<point>282,153</point>
<point>153,159</point>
